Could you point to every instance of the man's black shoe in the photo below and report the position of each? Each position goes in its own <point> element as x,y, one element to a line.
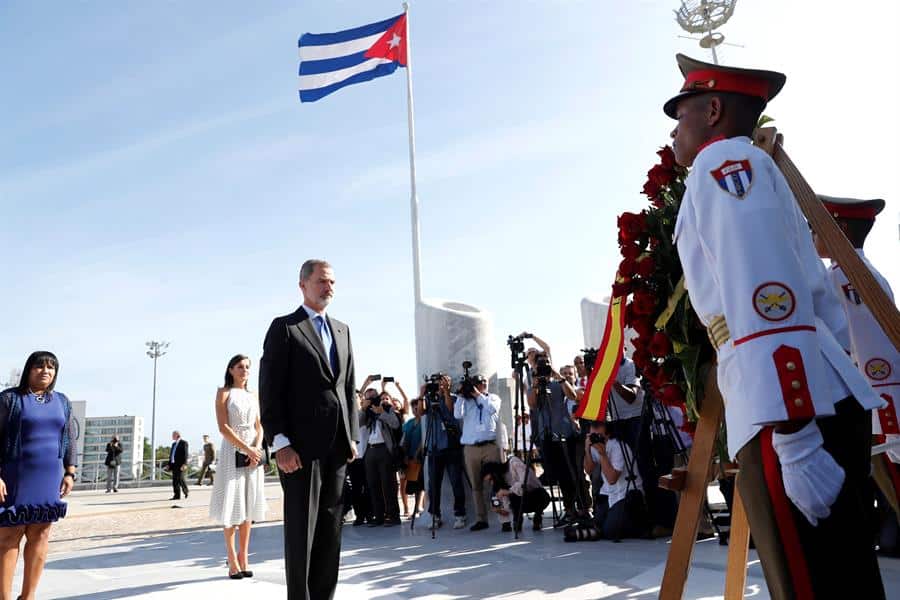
<point>506,527</point>
<point>376,523</point>
<point>359,521</point>
<point>391,522</point>
<point>175,498</point>
<point>478,526</point>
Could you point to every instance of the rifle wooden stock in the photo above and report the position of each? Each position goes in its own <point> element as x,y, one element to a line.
<point>835,241</point>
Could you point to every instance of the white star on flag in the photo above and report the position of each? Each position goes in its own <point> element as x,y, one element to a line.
<point>395,41</point>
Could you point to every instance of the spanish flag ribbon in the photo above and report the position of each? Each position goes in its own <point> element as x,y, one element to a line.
<point>609,356</point>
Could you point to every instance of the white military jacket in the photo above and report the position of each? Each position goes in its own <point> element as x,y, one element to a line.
<point>756,282</point>
<point>875,355</point>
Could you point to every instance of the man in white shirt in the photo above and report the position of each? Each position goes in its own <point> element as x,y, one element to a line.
<point>611,464</point>
<point>480,414</point>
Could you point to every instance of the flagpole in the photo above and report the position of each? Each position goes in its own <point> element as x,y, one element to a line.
<point>413,198</point>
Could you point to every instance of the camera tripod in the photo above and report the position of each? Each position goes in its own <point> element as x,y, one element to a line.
<point>520,409</point>
<point>543,399</point>
<point>432,411</point>
<point>663,427</point>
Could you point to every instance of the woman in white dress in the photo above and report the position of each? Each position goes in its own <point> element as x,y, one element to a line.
<point>238,496</point>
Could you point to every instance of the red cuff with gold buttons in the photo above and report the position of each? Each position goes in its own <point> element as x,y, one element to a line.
<point>888,416</point>
<point>794,385</point>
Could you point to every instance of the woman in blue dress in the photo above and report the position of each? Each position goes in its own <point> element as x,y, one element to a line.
<point>37,469</point>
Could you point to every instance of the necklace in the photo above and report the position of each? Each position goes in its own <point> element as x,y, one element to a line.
<point>40,398</point>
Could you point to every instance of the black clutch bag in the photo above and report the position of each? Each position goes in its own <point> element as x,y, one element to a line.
<point>241,460</point>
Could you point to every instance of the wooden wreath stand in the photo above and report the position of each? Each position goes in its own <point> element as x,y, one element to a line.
<point>693,480</point>
<point>692,483</point>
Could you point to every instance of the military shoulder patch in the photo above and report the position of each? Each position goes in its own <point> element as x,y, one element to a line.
<point>878,369</point>
<point>734,177</point>
<point>773,301</point>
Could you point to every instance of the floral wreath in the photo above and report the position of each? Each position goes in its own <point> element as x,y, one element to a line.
<point>671,344</point>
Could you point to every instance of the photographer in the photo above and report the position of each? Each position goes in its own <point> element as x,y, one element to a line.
<point>360,497</point>
<point>444,454</point>
<point>610,463</point>
<point>516,491</point>
<point>556,428</point>
<point>480,413</point>
<point>379,419</point>
<point>402,412</point>
<point>626,402</point>
<point>568,373</point>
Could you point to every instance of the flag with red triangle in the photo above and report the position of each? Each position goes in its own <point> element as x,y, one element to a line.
<point>330,61</point>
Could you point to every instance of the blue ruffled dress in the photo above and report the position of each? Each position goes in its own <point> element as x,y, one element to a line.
<point>33,473</point>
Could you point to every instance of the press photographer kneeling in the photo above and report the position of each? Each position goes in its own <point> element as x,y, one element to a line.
<point>618,503</point>
<point>516,490</point>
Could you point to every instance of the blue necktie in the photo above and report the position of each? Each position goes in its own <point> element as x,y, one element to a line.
<point>322,326</point>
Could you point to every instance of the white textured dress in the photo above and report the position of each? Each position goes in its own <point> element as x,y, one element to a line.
<point>238,494</point>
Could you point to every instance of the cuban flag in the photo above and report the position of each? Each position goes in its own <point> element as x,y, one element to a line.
<point>734,177</point>
<point>330,61</point>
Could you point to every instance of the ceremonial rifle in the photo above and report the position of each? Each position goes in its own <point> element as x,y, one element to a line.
<point>837,244</point>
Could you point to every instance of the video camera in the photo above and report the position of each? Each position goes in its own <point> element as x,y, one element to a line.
<point>467,382</point>
<point>596,438</point>
<point>517,349</point>
<point>433,384</point>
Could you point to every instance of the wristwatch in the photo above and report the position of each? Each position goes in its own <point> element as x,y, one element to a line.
<point>72,475</point>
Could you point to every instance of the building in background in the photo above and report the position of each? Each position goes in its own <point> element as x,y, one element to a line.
<point>79,411</point>
<point>98,431</point>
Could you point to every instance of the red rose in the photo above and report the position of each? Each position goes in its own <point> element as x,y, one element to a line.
<point>643,327</point>
<point>667,158</point>
<point>671,395</point>
<point>646,266</point>
<point>641,359</point>
<point>621,289</point>
<point>651,189</point>
<point>631,226</point>
<point>660,346</point>
<point>628,315</point>
<point>644,303</point>
<point>641,343</point>
<point>660,175</point>
<point>628,268</point>
<point>651,373</point>
<point>631,251</point>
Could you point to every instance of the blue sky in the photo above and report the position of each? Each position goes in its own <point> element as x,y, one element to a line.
<point>159,178</point>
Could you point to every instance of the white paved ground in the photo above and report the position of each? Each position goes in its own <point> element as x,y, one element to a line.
<point>134,545</point>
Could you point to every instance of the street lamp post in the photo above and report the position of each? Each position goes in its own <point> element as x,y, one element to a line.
<point>155,350</point>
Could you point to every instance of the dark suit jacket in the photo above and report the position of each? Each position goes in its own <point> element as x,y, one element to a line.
<point>181,454</point>
<point>299,395</point>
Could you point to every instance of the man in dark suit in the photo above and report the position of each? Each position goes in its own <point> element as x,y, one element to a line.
<point>309,415</point>
<point>178,465</point>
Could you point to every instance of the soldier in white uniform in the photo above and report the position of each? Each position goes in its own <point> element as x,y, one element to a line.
<point>874,354</point>
<point>796,409</point>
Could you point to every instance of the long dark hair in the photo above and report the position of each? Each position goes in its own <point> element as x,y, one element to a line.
<point>229,380</point>
<point>38,359</point>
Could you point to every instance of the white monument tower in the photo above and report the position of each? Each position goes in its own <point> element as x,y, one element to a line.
<point>447,333</point>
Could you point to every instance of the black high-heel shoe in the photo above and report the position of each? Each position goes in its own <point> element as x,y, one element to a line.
<point>236,575</point>
<point>247,573</point>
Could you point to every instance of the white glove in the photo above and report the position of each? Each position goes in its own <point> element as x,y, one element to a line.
<point>812,478</point>
<point>893,453</point>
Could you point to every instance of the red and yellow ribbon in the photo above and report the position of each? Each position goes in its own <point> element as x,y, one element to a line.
<point>609,356</point>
